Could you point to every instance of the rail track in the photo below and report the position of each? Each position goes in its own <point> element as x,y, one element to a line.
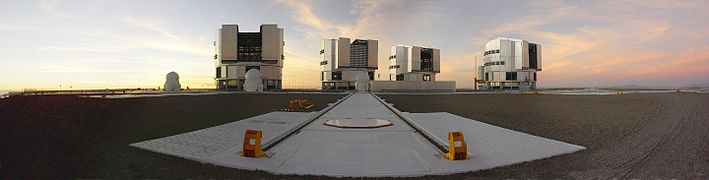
<point>427,135</point>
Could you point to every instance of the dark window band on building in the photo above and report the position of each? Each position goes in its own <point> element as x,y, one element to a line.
<point>358,54</point>
<point>269,61</point>
<point>249,47</point>
<point>427,59</point>
<point>219,72</point>
<point>533,56</point>
<point>511,76</point>
<point>491,52</point>
<point>494,63</point>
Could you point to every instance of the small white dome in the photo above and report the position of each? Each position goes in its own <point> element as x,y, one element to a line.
<point>172,76</point>
<point>172,82</point>
<point>362,77</point>
<point>253,81</point>
<point>362,82</point>
<point>253,73</point>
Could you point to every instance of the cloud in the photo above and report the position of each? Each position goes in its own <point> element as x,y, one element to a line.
<point>48,5</point>
<point>12,27</point>
<point>303,13</point>
<point>152,24</point>
<point>374,19</point>
<point>525,22</point>
<point>75,49</point>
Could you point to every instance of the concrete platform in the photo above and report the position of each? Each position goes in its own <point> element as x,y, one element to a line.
<point>396,150</point>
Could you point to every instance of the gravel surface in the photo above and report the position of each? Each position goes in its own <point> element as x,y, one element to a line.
<point>47,137</point>
<point>630,136</point>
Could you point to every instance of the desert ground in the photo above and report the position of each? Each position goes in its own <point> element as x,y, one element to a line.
<point>647,136</point>
<point>662,135</point>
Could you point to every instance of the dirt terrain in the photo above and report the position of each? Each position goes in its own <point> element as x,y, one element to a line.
<point>643,136</point>
<point>629,136</point>
<point>67,136</point>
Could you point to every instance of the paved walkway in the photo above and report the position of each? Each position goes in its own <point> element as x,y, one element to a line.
<point>396,150</point>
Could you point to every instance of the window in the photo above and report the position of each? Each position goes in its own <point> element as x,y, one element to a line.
<point>322,76</point>
<point>487,76</point>
<point>535,76</point>
<point>426,59</point>
<point>533,56</point>
<point>336,75</point>
<point>494,63</point>
<point>249,47</point>
<point>219,72</point>
<point>400,77</point>
<point>491,52</point>
<point>371,76</point>
<point>426,77</point>
<point>511,76</point>
<point>359,54</point>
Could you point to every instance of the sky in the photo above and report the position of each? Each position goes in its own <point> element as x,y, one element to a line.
<point>61,44</point>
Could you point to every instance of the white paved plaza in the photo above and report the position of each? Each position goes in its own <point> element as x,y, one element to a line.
<point>396,150</point>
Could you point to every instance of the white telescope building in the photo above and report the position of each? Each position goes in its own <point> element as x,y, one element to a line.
<point>238,52</point>
<point>509,63</point>
<point>414,63</point>
<point>342,60</point>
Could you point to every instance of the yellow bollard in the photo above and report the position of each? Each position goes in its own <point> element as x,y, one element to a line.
<point>304,103</point>
<point>618,92</point>
<point>298,104</point>
<point>458,149</point>
<point>252,144</point>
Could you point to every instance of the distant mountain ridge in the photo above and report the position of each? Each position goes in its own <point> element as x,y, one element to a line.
<point>702,86</point>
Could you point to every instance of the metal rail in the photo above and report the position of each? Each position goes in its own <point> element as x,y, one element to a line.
<point>272,143</point>
<point>442,147</point>
<point>427,135</point>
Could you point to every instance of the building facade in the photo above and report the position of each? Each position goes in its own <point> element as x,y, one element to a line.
<point>509,63</point>
<point>237,52</point>
<point>343,59</point>
<point>414,63</point>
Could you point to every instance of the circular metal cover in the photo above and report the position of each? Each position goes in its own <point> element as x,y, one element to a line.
<point>358,123</point>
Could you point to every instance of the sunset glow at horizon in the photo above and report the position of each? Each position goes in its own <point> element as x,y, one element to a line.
<point>55,44</point>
